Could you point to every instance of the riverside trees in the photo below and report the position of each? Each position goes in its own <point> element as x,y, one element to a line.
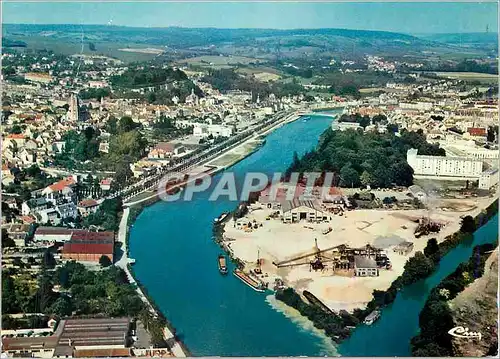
<point>365,159</point>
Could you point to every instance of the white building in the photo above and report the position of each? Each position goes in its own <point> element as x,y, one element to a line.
<point>441,166</point>
<point>488,178</point>
<point>342,126</point>
<point>205,130</point>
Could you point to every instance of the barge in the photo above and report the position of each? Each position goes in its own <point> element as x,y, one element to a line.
<point>221,261</point>
<point>252,283</point>
<point>222,217</point>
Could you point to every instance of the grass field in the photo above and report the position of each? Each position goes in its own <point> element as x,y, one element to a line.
<point>219,61</point>
<point>472,76</point>
<point>71,47</point>
<point>263,74</point>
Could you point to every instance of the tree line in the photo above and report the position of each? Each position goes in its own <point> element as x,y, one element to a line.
<point>365,159</point>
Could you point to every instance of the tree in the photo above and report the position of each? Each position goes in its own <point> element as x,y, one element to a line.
<point>431,250</point>
<point>104,261</point>
<point>16,129</point>
<point>122,173</point>
<point>349,176</point>
<point>364,121</point>
<point>416,268</point>
<point>468,225</point>
<point>366,179</point>
<point>9,301</point>
<point>126,124</point>
<point>392,128</point>
<point>492,133</point>
<point>92,46</point>
<point>62,307</point>
<point>6,240</point>
<point>48,259</point>
<point>112,125</point>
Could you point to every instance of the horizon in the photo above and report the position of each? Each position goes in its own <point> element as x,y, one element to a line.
<point>403,17</point>
<point>249,28</point>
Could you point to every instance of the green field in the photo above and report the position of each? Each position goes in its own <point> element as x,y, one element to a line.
<point>472,76</point>
<point>71,47</point>
<point>218,61</point>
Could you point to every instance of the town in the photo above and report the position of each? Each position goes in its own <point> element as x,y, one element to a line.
<point>87,138</point>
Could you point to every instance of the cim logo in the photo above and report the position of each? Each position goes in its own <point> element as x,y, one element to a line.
<point>461,332</point>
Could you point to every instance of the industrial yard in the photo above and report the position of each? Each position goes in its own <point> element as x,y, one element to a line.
<point>342,259</point>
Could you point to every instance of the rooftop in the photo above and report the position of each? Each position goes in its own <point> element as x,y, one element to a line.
<point>364,262</point>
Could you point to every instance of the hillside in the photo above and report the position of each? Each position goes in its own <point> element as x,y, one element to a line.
<point>260,43</point>
<point>476,309</point>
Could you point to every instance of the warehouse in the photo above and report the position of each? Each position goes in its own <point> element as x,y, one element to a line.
<point>88,246</point>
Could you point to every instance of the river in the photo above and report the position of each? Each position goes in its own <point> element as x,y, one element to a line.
<point>176,260</point>
<point>215,315</point>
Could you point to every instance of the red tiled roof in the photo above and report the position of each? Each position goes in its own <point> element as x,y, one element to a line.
<point>106,181</point>
<point>28,219</point>
<point>165,147</point>
<point>88,248</point>
<point>82,235</point>
<point>88,203</point>
<point>100,353</point>
<point>59,186</point>
<point>477,131</point>
<point>16,136</point>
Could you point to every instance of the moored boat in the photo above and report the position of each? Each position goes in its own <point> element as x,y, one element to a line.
<point>221,261</point>
<point>372,317</point>
<point>221,217</point>
<point>259,287</point>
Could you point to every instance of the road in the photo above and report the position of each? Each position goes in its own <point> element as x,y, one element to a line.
<point>206,156</point>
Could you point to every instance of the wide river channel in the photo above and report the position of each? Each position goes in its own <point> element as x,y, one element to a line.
<point>176,260</point>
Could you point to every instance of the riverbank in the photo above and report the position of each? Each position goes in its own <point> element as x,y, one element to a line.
<point>465,298</point>
<point>229,158</point>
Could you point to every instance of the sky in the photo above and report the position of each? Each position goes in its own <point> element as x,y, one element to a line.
<point>404,17</point>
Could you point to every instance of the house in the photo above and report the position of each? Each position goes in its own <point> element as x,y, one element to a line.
<point>48,215</point>
<point>52,234</point>
<point>27,157</point>
<point>104,147</point>
<point>14,141</point>
<point>58,146</point>
<point>87,206</point>
<point>365,267</point>
<point>166,150</point>
<point>33,205</point>
<point>297,210</point>
<point>67,210</point>
<point>18,233</point>
<point>488,179</point>
<point>105,184</point>
<point>61,190</point>
<point>404,248</point>
<point>11,202</point>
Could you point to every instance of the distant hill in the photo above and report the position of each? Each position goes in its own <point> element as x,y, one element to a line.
<point>487,41</point>
<point>247,42</point>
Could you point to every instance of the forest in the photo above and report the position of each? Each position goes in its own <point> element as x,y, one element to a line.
<point>370,159</point>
